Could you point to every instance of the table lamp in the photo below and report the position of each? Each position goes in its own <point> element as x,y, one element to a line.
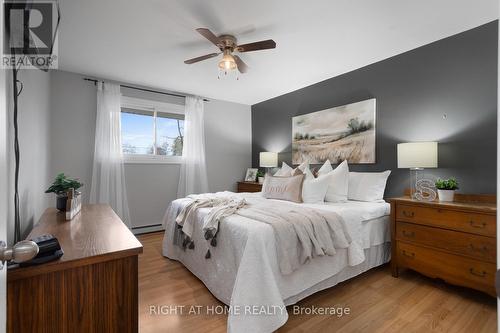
<point>416,156</point>
<point>268,160</point>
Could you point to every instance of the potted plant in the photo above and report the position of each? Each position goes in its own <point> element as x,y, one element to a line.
<point>260,176</point>
<point>446,188</point>
<point>60,187</point>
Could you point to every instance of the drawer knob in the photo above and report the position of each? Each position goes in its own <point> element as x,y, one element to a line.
<point>482,249</point>
<point>479,225</point>
<point>476,273</point>
<point>408,254</point>
<point>409,234</point>
<point>408,214</point>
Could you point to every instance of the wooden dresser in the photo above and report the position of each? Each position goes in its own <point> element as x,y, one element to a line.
<point>453,241</point>
<point>249,187</point>
<point>93,287</point>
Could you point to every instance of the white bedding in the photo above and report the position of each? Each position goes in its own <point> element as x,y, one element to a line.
<point>243,269</point>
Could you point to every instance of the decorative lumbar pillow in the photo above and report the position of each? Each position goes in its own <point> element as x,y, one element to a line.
<point>314,189</point>
<point>283,188</point>
<point>284,171</point>
<point>367,186</point>
<point>338,181</point>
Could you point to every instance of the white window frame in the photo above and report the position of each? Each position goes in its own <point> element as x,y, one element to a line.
<point>155,107</point>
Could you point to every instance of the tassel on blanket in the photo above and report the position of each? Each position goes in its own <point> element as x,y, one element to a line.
<point>208,234</point>
<point>185,243</point>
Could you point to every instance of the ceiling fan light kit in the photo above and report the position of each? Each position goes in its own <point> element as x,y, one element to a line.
<point>227,44</point>
<point>227,62</point>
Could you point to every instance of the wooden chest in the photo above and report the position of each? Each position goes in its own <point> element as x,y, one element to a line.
<point>93,287</point>
<point>453,241</point>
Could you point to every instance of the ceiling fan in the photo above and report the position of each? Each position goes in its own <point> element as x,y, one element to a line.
<point>227,44</point>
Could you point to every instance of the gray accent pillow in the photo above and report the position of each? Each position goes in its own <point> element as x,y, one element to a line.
<point>283,188</point>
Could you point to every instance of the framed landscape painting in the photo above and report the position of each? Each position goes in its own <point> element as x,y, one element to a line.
<point>341,133</point>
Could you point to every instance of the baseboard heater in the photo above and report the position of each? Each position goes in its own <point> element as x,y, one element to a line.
<point>147,229</point>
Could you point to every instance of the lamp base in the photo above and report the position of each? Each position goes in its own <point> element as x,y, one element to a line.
<point>421,189</point>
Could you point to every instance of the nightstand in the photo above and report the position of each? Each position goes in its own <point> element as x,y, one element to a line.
<point>249,187</point>
<point>453,241</point>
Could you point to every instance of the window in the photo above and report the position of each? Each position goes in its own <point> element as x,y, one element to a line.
<point>169,134</point>
<point>152,132</point>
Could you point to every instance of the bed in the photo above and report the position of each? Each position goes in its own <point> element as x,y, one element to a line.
<point>243,273</point>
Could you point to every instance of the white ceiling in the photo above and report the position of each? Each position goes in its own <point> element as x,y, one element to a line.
<point>145,42</point>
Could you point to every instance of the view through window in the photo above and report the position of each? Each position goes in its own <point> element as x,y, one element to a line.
<point>151,132</point>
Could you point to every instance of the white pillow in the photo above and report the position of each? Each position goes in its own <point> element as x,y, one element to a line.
<point>303,167</point>
<point>367,186</point>
<point>338,183</point>
<point>314,189</point>
<point>287,170</point>
<point>326,168</point>
<point>284,171</point>
<point>307,172</point>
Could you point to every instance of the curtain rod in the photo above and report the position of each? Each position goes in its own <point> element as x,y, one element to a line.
<point>144,89</point>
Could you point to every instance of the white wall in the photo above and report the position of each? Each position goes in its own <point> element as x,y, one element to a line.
<point>34,142</point>
<point>150,187</point>
<point>228,135</point>
<point>72,117</point>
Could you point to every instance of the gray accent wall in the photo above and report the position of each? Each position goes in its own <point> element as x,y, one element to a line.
<point>445,91</point>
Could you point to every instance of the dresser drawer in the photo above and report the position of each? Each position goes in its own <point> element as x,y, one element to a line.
<point>476,223</point>
<point>474,246</point>
<point>449,267</point>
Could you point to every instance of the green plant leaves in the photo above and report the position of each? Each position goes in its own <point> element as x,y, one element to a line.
<point>447,184</point>
<point>62,184</point>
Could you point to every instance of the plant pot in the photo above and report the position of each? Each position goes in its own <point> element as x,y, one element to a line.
<point>61,200</point>
<point>446,195</point>
<point>261,180</point>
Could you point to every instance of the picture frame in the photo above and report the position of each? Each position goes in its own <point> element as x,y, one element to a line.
<point>251,175</point>
<point>346,132</point>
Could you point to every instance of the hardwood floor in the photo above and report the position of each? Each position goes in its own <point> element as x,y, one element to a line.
<point>377,302</point>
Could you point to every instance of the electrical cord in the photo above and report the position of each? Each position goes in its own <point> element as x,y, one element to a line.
<point>16,92</point>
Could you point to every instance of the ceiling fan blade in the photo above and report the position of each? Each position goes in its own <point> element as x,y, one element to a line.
<point>262,45</point>
<point>205,57</point>
<point>209,35</point>
<point>242,67</point>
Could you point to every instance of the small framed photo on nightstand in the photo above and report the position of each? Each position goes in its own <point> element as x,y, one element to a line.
<point>251,175</point>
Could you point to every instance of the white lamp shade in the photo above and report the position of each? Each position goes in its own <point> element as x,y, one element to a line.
<point>418,155</point>
<point>268,159</point>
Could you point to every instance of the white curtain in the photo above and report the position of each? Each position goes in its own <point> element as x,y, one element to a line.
<point>108,181</point>
<point>193,175</point>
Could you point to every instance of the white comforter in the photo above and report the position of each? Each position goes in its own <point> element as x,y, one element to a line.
<point>243,271</point>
